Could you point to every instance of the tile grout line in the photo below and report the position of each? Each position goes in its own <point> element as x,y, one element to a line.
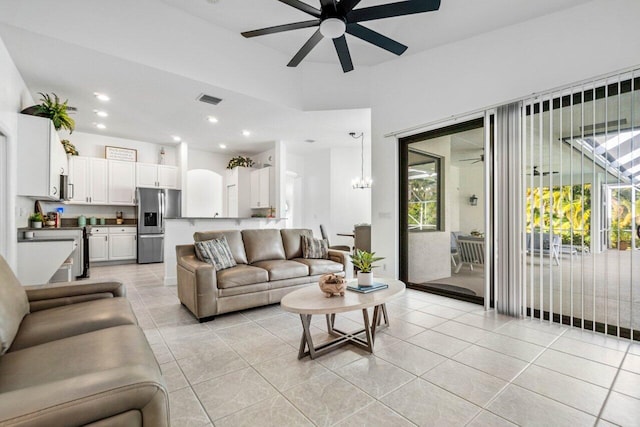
<point>613,382</point>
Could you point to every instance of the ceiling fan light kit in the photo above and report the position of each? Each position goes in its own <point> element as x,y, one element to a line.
<point>337,18</point>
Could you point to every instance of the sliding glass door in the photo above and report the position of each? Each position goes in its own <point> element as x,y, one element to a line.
<point>581,176</point>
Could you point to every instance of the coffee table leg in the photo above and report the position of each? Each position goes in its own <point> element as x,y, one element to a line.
<point>306,340</point>
<point>367,329</point>
<point>331,321</point>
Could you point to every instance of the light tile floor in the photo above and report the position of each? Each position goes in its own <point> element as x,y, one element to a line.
<point>442,362</point>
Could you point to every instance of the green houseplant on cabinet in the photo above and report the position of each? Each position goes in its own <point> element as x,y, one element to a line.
<point>53,109</point>
<point>363,261</point>
<point>35,220</point>
<point>240,161</point>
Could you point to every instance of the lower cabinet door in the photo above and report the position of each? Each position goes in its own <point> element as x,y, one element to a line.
<point>122,246</point>
<point>99,247</point>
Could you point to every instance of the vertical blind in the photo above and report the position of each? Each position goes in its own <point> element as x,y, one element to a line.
<point>580,205</point>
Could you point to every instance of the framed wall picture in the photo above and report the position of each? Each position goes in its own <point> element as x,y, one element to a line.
<point>119,153</point>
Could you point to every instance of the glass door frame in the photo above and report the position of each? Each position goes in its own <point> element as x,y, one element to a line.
<point>485,121</point>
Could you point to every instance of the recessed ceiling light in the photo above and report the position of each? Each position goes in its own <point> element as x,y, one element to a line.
<point>100,125</point>
<point>246,132</point>
<point>222,146</point>
<point>212,119</point>
<point>310,141</point>
<point>176,138</point>
<point>100,113</point>
<point>101,96</point>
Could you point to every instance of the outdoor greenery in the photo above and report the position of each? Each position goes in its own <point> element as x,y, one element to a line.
<point>423,206</point>
<point>564,211</point>
<point>622,223</point>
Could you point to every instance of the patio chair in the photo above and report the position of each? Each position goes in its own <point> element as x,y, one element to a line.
<point>471,251</point>
<point>551,244</point>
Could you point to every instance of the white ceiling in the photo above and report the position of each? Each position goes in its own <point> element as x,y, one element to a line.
<point>126,49</point>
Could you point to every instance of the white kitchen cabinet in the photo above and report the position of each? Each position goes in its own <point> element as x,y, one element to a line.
<point>122,182</point>
<point>156,176</point>
<point>88,177</point>
<point>238,187</point>
<point>98,244</point>
<point>261,185</point>
<point>41,157</point>
<point>122,243</point>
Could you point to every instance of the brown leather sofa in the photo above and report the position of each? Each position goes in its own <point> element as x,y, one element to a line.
<point>72,354</point>
<point>269,265</point>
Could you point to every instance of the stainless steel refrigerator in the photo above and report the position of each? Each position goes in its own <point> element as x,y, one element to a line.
<point>154,206</point>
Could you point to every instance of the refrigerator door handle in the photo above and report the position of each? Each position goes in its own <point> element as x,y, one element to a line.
<point>162,211</point>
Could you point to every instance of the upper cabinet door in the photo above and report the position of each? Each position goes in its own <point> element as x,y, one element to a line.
<point>146,175</point>
<point>167,177</point>
<point>98,179</point>
<point>122,182</point>
<point>79,179</point>
<point>255,189</point>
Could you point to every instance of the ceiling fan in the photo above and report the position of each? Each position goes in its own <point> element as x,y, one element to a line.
<point>474,160</point>
<point>536,172</point>
<point>337,17</point>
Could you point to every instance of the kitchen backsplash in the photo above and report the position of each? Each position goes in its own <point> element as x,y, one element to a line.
<point>25,207</point>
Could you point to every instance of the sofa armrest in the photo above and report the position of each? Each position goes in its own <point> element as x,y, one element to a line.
<point>197,283</point>
<point>42,297</point>
<point>343,258</point>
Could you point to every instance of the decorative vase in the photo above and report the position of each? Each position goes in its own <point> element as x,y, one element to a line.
<point>36,224</point>
<point>365,279</point>
<point>332,285</point>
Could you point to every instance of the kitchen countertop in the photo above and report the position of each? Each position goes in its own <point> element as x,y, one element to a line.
<point>225,217</point>
<point>49,228</point>
<point>46,239</point>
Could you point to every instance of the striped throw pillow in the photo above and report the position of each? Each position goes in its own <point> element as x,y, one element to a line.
<point>215,252</point>
<point>315,248</point>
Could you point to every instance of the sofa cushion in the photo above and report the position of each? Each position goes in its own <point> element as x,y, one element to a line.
<point>321,266</point>
<point>14,305</point>
<point>261,245</point>
<point>241,275</point>
<point>292,241</point>
<point>215,252</point>
<point>283,269</point>
<point>315,248</point>
<point>74,319</point>
<point>234,239</point>
<point>81,379</point>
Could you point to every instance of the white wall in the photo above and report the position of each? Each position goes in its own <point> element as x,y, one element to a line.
<point>14,96</point>
<point>533,56</point>
<point>92,145</point>
<point>317,190</point>
<point>216,162</point>
<point>349,206</point>
<point>471,182</point>
<point>204,198</point>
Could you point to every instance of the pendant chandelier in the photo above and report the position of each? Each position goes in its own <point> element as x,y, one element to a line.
<point>362,181</point>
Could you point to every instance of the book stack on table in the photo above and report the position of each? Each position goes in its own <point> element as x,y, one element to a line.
<point>366,289</point>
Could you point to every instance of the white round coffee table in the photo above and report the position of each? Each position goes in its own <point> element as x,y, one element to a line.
<point>311,300</point>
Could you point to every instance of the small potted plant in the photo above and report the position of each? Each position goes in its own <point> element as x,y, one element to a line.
<point>363,261</point>
<point>36,220</point>
<point>53,109</point>
<point>240,161</point>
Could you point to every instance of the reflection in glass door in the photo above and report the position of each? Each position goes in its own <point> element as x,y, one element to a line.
<point>442,230</point>
<point>581,160</point>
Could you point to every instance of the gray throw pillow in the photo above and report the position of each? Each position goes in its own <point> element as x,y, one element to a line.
<point>215,252</point>
<point>315,248</point>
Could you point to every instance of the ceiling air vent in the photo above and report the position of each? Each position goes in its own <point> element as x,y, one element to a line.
<point>209,99</point>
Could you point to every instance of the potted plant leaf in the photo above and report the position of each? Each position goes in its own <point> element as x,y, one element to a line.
<point>35,220</point>
<point>240,161</point>
<point>363,261</point>
<point>53,109</point>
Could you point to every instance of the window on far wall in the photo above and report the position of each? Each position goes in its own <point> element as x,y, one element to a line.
<point>425,192</point>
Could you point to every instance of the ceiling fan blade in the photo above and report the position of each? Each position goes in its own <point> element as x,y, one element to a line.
<point>305,49</point>
<point>329,4</point>
<point>303,7</point>
<point>348,5</point>
<point>282,28</point>
<point>376,38</point>
<point>400,8</point>
<point>343,53</point>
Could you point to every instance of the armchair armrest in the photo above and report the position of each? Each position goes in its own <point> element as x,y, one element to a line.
<point>42,297</point>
